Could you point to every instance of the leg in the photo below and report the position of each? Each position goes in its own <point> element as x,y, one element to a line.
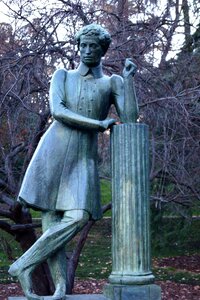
<point>26,284</point>
<point>57,262</point>
<point>58,267</point>
<point>48,244</point>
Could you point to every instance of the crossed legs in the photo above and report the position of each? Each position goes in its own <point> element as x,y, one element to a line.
<point>57,263</point>
<point>50,246</point>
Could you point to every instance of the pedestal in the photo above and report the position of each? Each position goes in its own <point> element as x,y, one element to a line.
<point>133,292</point>
<point>131,276</point>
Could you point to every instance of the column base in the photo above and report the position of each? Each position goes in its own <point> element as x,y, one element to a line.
<point>131,279</point>
<point>132,292</point>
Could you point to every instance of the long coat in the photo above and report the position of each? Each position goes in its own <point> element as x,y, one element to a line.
<point>62,174</point>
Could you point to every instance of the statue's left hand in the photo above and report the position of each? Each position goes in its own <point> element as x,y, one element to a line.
<point>129,68</point>
<point>107,123</point>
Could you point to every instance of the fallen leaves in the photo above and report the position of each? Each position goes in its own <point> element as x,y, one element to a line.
<point>185,262</point>
<point>170,290</point>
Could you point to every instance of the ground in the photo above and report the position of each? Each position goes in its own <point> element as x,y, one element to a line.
<point>170,290</point>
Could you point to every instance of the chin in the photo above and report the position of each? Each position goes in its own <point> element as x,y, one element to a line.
<point>91,64</point>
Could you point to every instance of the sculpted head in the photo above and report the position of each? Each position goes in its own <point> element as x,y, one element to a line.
<point>93,42</point>
<point>97,32</point>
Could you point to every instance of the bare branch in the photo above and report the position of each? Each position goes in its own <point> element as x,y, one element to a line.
<point>5,213</point>
<point>6,227</point>
<point>23,227</point>
<point>6,188</point>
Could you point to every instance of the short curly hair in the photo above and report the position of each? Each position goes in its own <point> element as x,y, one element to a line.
<point>97,31</point>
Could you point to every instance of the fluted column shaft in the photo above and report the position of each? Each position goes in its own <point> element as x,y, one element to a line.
<point>130,205</point>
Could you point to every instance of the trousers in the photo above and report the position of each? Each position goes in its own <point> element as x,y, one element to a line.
<point>59,228</point>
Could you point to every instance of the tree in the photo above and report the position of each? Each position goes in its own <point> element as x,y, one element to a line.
<point>41,38</point>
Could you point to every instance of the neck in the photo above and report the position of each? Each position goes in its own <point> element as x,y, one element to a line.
<point>91,65</point>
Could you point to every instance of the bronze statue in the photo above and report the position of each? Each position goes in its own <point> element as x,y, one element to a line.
<point>62,178</point>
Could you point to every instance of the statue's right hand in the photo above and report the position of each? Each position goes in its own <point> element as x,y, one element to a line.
<point>107,123</point>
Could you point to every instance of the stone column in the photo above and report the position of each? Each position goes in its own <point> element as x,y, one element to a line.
<point>131,258</point>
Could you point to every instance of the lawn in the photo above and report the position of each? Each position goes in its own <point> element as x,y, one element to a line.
<point>177,241</point>
<point>174,240</point>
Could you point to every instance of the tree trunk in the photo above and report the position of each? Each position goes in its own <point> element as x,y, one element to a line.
<point>186,20</point>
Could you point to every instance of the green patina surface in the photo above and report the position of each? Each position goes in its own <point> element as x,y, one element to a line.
<point>62,178</point>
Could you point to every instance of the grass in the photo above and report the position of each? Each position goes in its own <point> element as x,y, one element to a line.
<point>174,236</point>
<point>170,273</point>
<point>95,260</point>
<point>9,251</point>
<point>170,237</point>
<point>106,194</point>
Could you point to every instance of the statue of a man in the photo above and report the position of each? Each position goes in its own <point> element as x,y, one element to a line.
<point>62,178</point>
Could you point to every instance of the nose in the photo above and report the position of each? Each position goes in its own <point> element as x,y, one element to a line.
<point>88,50</point>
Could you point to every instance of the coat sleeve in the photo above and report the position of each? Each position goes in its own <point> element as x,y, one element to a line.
<point>124,98</point>
<point>61,113</point>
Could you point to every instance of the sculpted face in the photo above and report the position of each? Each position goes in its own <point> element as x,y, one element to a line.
<point>90,51</point>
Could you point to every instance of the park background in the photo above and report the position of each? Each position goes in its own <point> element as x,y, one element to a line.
<point>163,39</point>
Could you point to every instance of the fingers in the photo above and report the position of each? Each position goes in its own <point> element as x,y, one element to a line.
<point>130,62</point>
<point>129,68</point>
